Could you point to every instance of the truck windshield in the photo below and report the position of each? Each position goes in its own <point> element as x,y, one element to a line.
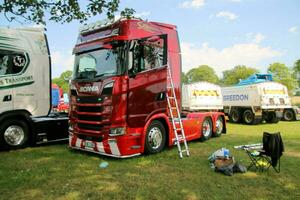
<point>102,62</point>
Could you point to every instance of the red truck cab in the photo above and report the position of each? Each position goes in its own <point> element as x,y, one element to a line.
<point>118,103</point>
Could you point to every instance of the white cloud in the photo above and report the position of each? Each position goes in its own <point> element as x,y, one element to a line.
<point>61,61</point>
<point>258,38</point>
<point>142,14</point>
<point>192,4</point>
<point>293,29</point>
<point>227,14</point>
<point>249,54</point>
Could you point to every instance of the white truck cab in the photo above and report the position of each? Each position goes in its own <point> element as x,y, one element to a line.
<point>25,83</point>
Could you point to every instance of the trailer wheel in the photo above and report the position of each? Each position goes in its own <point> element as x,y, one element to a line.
<point>288,115</point>
<point>235,116</point>
<point>14,134</point>
<point>219,126</point>
<point>272,118</point>
<point>155,137</point>
<point>206,129</point>
<point>248,117</point>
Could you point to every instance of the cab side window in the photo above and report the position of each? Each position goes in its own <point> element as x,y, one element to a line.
<point>11,62</point>
<point>147,54</point>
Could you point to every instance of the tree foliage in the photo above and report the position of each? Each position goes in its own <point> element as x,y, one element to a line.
<point>297,71</point>
<point>233,76</point>
<point>282,74</point>
<point>202,73</point>
<point>63,80</point>
<point>60,10</point>
<point>184,78</point>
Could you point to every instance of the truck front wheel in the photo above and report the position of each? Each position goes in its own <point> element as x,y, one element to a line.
<point>288,115</point>
<point>272,118</point>
<point>155,137</point>
<point>248,117</point>
<point>206,129</point>
<point>235,116</point>
<point>13,134</point>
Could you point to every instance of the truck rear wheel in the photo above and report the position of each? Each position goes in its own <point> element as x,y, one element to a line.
<point>219,126</point>
<point>155,137</point>
<point>272,118</point>
<point>235,116</point>
<point>206,129</point>
<point>288,115</point>
<point>14,134</point>
<point>248,117</point>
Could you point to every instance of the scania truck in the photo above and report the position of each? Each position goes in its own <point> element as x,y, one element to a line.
<point>25,90</point>
<point>118,101</point>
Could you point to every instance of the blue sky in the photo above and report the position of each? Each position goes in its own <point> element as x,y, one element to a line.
<point>220,33</point>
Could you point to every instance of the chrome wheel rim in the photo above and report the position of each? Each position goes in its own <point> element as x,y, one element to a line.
<point>14,135</point>
<point>206,129</point>
<point>219,126</point>
<point>248,117</point>
<point>155,138</point>
<point>288,116</point>
<point>235,116</point>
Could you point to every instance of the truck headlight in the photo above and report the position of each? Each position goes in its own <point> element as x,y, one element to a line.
<point>117,131</point>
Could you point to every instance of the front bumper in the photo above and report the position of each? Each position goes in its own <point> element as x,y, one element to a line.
<point>108,147</point>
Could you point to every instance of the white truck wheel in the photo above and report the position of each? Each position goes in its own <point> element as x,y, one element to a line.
<point>14,134</point>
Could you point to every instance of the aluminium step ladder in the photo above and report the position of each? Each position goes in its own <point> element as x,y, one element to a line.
<point>175,118</point>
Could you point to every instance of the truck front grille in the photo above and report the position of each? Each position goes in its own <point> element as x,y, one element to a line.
<point>90,118</point>
<point>90,114</point>
<point>87,99</point>
<point>91,109</point>
<point>92,127</point>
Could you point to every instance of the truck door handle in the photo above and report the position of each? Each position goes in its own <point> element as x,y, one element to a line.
<point>7,98</point>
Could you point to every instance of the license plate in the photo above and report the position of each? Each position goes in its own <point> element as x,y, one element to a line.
<point>89,144</point>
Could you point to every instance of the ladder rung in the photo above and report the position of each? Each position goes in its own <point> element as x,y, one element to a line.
<point>176,119</point>
<point>171,97</point>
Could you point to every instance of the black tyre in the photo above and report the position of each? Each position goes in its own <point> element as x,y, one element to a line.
<point>235,116</point>
<point>206,129</point>
<point>248,117</point>
<point>13,134</point>
<point>156,137</point>
<point>288,115</point>
<point>272,118</point>
<point>219,126</point>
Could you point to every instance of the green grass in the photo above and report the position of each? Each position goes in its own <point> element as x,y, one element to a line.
<point>56,172</point>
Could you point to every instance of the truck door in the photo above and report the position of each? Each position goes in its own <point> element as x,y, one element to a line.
<point>5,79</point>
<point>147,71</point>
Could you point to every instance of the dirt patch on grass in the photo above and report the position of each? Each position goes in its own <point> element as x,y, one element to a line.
<point>292,154</point>
<point>70,196</point>
<point>250,175</point>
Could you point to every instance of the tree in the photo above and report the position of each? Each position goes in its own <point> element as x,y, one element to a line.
<point>233,76</point>
<point>184,78</point>
<point>282,74</point>
<point>297,71</point>
<point>202,73</point>
<point>60,10</point>
<point>63,80</point>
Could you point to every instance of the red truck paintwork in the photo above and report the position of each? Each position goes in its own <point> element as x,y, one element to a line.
<point>132,104</point>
